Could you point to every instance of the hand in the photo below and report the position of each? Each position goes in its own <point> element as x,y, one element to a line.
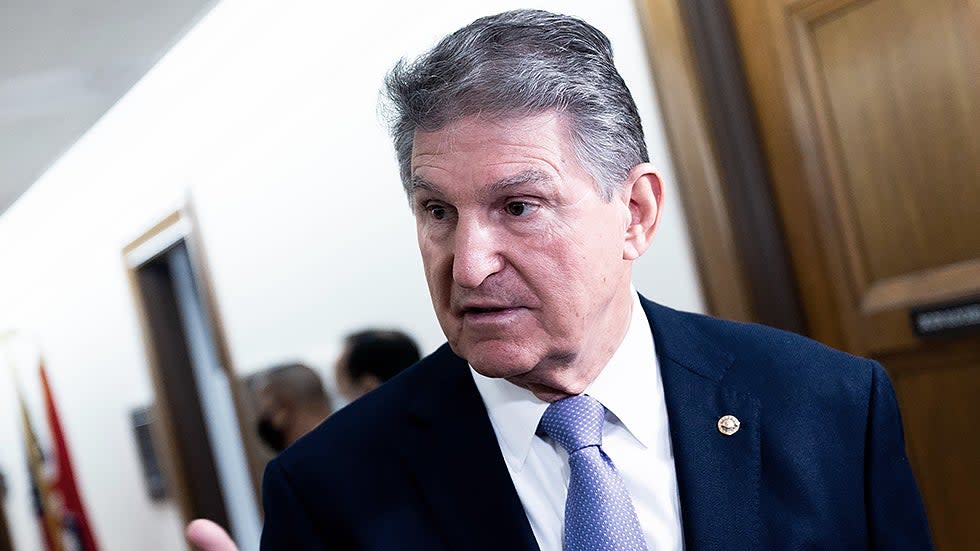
<point>205,535</point>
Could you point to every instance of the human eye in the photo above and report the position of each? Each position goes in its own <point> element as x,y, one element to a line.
<point>436,211</point>
<point>520,209</point>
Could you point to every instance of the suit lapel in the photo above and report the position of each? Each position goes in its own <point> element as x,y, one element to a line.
<point>454,455</point>
<point>718,475</point>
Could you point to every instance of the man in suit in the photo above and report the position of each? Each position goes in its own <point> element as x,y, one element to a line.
<point>566,411</point>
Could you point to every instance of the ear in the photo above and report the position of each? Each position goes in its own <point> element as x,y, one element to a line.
<point>644,195</point>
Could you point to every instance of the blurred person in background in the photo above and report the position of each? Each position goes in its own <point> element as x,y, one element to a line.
<point>291,401</point>
<point>370,358</point>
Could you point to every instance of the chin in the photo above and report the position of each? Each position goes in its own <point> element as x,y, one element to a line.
<point>497,359</point>
<point>499,369</point>
<point>546,393</point>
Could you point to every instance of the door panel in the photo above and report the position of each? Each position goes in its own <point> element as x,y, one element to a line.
<point>893,82</point>
<point>942,383</point>
<point>869,113</point>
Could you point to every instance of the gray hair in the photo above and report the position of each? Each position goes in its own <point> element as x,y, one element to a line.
<point>522,63</point>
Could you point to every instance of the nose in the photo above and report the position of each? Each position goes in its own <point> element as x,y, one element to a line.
<point>476,254</point>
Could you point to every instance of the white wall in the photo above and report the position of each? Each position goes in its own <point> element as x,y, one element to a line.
<point>265,116</point>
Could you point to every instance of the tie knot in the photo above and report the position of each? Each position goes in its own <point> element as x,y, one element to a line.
<point>574,422</point>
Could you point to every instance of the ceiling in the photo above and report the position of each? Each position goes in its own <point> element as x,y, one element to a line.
<point>64,63</point>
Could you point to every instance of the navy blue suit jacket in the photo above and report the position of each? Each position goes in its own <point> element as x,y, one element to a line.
<point>818,463</point>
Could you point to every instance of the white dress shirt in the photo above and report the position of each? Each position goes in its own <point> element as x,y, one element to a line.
<point>635,436</point>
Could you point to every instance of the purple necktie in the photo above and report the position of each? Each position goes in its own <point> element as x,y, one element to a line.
<point>599,514</point>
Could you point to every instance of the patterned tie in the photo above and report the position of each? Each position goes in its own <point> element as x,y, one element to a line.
<point>599,514</point>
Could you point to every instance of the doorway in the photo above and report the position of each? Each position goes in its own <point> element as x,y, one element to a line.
<point>197,396</point>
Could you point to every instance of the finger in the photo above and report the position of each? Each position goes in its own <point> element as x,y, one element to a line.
<point>208,536</point>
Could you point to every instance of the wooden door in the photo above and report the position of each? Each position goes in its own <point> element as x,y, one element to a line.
<point>869,114</point>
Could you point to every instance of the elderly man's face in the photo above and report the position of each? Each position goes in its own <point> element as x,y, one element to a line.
<point>525,261</point>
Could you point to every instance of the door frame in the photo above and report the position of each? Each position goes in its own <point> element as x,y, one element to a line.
<point>181,226</point>
<point>725,186</point>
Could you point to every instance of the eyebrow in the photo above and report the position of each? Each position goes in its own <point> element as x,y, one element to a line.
<point>417,182</point>
<point>524,177</point>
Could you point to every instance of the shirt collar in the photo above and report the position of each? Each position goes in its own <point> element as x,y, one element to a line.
<point>628,385</point>
<point>623,386</point>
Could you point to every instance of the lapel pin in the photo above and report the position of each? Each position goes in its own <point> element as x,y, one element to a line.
<point>728,425</point>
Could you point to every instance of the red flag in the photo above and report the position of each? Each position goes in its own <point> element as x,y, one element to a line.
<point>44,507</point>
<point>74,523</point>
